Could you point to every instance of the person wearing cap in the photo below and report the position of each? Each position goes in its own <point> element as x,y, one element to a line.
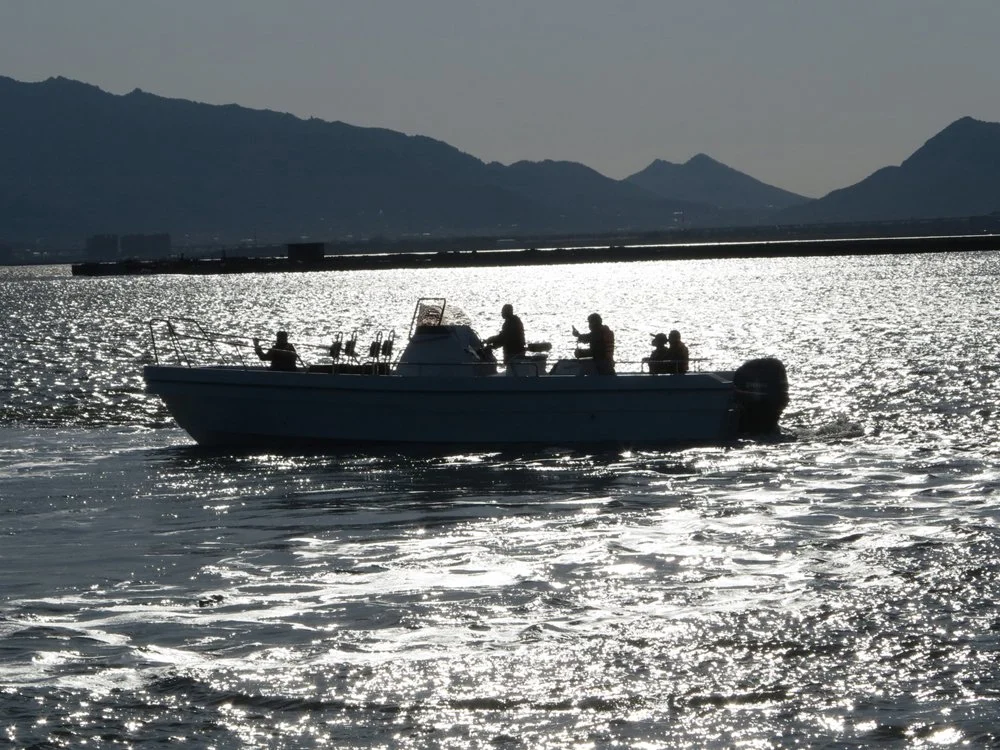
<point>602,345</point>
<point>281,355</point>
<point>657,360</point>
<point>511,336</point>
<point>668,360</point>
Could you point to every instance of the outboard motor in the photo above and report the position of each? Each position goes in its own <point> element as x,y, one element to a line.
<point>761,387</point>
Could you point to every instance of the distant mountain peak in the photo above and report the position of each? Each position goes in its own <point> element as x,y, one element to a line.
<point>701,159</point>
<point>703,179</point>
<point>966,140</point>
<point>967,120</point>
<point>69,82</point>
<point>955,173</point>
<point>965,125</point>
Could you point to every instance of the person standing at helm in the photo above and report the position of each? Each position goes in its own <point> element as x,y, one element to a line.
<point>602,344</point>
<point>511,336</point>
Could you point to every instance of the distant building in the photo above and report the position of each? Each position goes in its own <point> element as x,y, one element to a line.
<point>306,252</point>
<point>102,247</point>
<point>145,246</point>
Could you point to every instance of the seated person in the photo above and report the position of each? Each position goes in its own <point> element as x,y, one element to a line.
<point>602,345</point>
<point>657,360</point>
<point>664,360</point>
<point>511,336</point>
<point>281,355</point>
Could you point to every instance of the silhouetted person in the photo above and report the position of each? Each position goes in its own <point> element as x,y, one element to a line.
<point>672,360</point>
<point>281,355</point>
<point>511,336</point>
<point>602,345</point>
<point>657,360</point>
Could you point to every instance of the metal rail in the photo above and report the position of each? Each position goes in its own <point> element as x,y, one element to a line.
<point>185,341</point>
<point>185,334</point>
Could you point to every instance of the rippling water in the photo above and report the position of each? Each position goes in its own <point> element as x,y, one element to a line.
<point>835,590</point>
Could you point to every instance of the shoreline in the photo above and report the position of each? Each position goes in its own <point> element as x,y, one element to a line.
<point>548,256</point>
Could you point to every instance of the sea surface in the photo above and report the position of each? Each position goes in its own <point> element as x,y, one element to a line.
<point>836,588</point>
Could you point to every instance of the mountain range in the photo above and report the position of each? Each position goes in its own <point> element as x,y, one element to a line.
<point>76,160</point>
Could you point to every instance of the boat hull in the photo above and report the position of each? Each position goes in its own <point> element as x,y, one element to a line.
<point>233,406</point>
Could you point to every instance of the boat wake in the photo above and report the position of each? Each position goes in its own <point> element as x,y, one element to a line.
<point>840,428</point>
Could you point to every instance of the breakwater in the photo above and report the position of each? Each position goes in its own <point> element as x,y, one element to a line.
<point>547,256</point>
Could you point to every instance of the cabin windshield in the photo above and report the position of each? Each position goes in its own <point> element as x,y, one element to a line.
<point>435,311</point>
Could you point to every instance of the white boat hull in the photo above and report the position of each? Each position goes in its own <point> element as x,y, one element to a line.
<point>234,406</point>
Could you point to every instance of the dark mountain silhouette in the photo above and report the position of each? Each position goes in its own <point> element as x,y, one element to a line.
<point>956,173</point>
<point>704,180</point>
<point>572,191</point>
<point>75,160</point>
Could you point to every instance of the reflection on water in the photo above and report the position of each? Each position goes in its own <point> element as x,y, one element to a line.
<point>904,344</point>
<point>802,590</point>
<point>836,590</point>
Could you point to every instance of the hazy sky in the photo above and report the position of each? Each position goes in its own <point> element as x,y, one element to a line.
<point>809,95</point>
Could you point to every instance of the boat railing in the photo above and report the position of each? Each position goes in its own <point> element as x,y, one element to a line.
<point>695,364</point>
<point>185,341</point>
<point>569,367</point>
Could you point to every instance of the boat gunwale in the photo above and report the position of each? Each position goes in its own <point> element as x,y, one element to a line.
<point>239,377</point>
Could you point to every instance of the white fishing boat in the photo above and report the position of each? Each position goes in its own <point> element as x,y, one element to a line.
<point>446,389</point>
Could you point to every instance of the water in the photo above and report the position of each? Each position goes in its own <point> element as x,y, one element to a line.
<point>836,590</point>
